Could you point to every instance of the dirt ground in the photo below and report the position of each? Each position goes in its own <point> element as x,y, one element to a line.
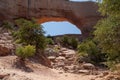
<point>37,72</point>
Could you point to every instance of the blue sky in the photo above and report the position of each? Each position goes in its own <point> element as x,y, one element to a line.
<point>59,28</point>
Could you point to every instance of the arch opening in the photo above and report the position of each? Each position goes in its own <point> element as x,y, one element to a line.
<point>54,28</point>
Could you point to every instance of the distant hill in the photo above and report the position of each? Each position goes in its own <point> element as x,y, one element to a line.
<point>78,36</point>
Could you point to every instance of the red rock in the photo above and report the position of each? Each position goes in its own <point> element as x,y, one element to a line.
<point>4,51</point>
<point>88,66</point>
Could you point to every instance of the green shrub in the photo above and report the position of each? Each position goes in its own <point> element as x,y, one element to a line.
<point>49,41</point>
<point>73,42</point>
<point>25,52</point>
<point>69,42</point>
<point>7,25</point>
<point>107,30</point>
<point>89,49</point>
<point>30,33</point>
<point>65,41</point>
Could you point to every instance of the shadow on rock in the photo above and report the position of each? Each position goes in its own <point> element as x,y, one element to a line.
<point>22,65</point>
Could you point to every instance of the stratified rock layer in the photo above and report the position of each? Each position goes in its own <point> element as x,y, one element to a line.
<point>83,14</point>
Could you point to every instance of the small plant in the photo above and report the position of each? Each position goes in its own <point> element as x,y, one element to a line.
<point>25,52</point>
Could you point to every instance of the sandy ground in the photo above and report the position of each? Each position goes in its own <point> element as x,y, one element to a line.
<point>39,72</point>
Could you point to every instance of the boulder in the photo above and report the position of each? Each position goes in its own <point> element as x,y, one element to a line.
<point>84,72</point>
<point>69,67</point>
<point>3,75</point>
<point>60,64</point>
<point>4,51</point>
<point>52,58</point>
<point>68,53</point>
<point>112,77</point>
<point>88,66</point>
<point>63,49</point>
<point>60,58</point>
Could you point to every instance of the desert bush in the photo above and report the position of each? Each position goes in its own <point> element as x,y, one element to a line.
<point>69,42</point>
<point>107,30</point>
<point>25,52</point>
<point>30,33</point>
<point>73,42</point>
<point>7,25</point>
<point>65,41</point>
<point>89,49</point>
<point>49,41</point>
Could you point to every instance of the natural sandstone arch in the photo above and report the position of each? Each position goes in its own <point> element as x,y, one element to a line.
<point>83,14</point>
<point>52,19</point>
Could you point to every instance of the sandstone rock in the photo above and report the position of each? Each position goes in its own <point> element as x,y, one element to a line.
<point>60,58</point>
<point>6,45</point>
<point>2,41</point>
<point>105,73</point>
<point>63,49</point>
<point>69,67</point>
<point>83,14</point>
<point>4,51</point>
<point>3,75</point>
<point>6,34</point>
<point>51,52</point>
<point>4,38</point>
<point>69,53</point>
<point>52,58</point>
<point>60,64</point>
<point>88,66</point>
<point>112,77</point>
<point>84,72</point>
<point>71,59</point>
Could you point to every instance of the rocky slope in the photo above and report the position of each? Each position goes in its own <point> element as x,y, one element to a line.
<point>6,43</point>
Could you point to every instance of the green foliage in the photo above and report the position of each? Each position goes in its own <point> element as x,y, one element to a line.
<point>57,49</point>
<point>74,42</point>
<point>107,34</point>
<point>7,25</point>
<point>69,42</point>
<point>110,7</point>
<point>89,49</point>
<point>65,41</point>
<point>49,41</point>
<point>25,52</point>
<point>30,33</point>
<point>107,31</point>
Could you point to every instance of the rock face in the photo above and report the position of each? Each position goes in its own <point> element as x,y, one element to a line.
<point>83,14</point>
